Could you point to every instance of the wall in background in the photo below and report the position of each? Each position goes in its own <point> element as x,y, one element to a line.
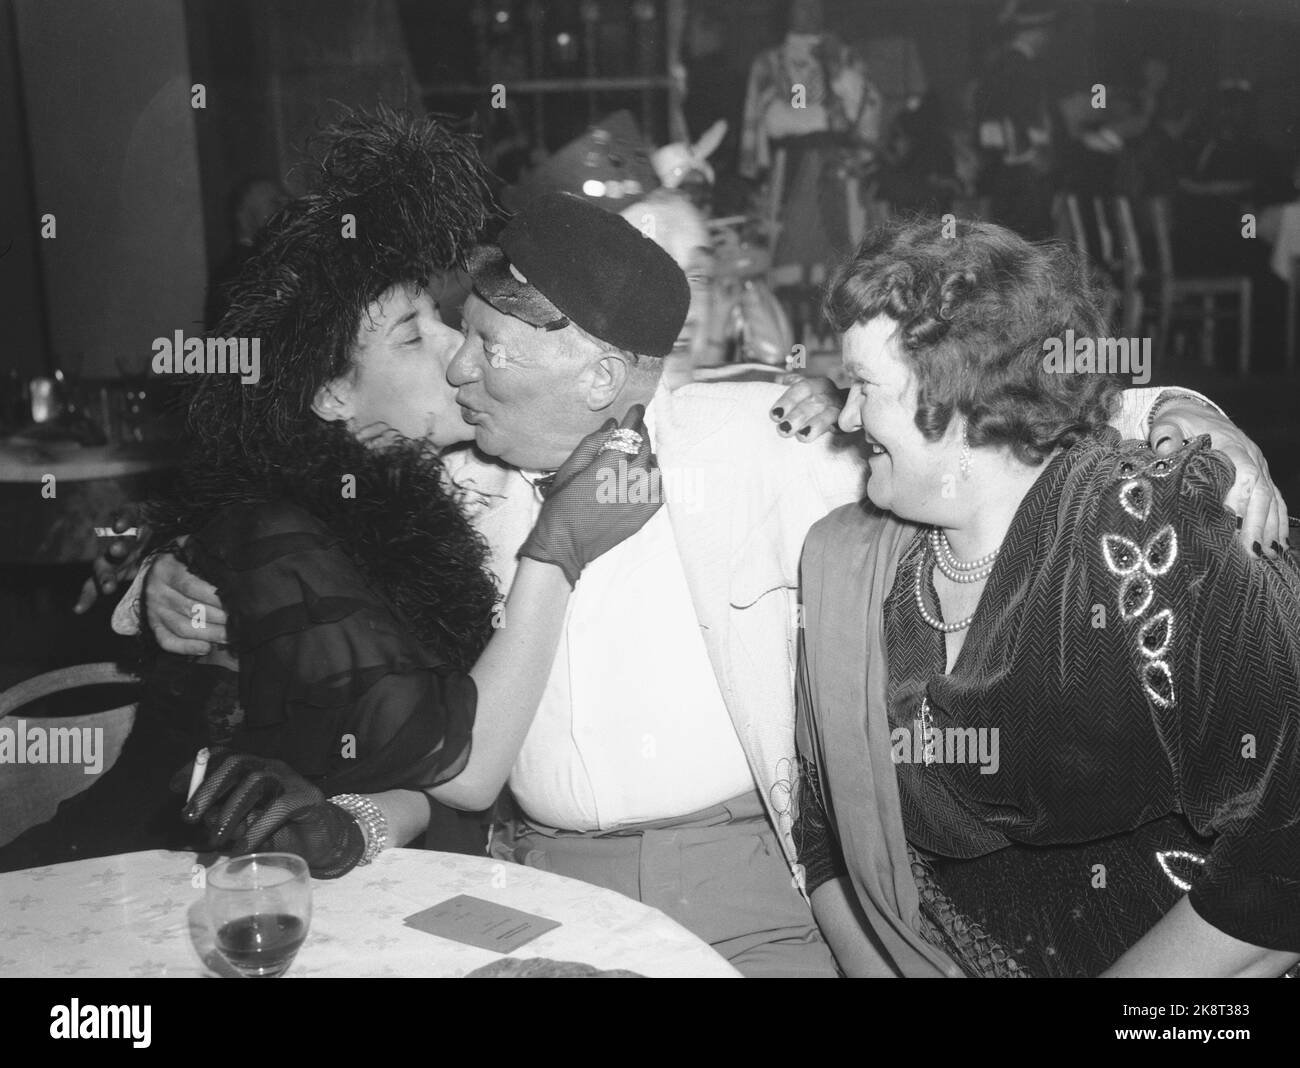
<point>22,342</point>
<point>234,132</point>
<point>111,130</point>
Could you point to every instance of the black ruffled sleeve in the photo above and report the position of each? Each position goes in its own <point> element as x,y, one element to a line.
<point>330,679</point>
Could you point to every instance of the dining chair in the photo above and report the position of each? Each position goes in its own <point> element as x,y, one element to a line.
<point>1069,222</point>
<point>1169,298</point>
<point>1108,252</point>
<point>30,793</point>
<point>1092,233</point>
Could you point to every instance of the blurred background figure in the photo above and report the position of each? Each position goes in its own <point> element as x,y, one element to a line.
<point>1154,153</point>
<point>1015,123</point>
<point>252,203</point>
<point>1231,170</point>
<point>715,90</point>
<point>920,167</point>
<point>812,128</point>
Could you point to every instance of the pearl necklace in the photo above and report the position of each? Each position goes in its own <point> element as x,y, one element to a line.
<point>959,570</point>
<point>956,570</point>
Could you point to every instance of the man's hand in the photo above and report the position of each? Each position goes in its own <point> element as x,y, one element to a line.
<point>1254,498</point>
<point>808,408</point>
<point>117,564</point>
<point>182,610</point>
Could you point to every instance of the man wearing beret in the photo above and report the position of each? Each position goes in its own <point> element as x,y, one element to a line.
<point>660,761</point>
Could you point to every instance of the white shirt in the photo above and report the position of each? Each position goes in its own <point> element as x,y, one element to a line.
<point>631,726</point>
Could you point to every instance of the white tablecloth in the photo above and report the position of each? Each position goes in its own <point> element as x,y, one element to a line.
<point>140,914</point>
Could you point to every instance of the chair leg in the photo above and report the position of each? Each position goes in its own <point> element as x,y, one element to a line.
<point>1291,294</point>
<point>1135,312</point>
<point>1166,320</point>
<point>1247,310</point>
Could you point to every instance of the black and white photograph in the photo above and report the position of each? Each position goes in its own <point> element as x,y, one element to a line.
<point>651,488</point>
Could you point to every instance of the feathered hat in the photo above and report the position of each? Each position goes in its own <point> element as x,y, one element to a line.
<point>395,199</point>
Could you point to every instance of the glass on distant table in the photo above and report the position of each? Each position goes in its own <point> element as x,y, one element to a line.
<point>259,906</point>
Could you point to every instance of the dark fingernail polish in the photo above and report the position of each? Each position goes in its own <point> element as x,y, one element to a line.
<point>805,432</point>
<point>1259,551</point>
<point>778,412</point>
<point>1238,522</point>
<point>784,428</point>
<point>1277,549</point>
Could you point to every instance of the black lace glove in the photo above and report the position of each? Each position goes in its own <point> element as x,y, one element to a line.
<point>249,803</point>
<point>600,496</point>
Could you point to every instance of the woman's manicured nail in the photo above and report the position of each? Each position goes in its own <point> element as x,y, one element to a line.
<point>1238,522</point>
<point>778,412</point>
<point>1277,549</point>
<point>784,427</point>
<point>1259,551</point>
<point>805,432</point>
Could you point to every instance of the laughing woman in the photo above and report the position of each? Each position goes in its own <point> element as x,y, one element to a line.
<point>1074,746</point>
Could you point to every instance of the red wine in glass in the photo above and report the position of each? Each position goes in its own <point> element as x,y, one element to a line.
<point>259,911</point>
<point>263,945</point>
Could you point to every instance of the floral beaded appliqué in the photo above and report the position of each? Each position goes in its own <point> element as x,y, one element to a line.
<point>1135,498</point>
<point>1168,858</point>
<point>1137,567</point>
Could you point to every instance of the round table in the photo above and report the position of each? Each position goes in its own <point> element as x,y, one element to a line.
<point>142,914</point>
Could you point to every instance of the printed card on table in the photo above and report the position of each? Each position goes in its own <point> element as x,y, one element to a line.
<point>480,923</point>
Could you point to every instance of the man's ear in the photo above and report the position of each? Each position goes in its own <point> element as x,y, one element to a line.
<point>333,401</point>
<point>608,375</point>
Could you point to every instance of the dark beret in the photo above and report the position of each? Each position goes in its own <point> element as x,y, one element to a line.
<point>564,260</point>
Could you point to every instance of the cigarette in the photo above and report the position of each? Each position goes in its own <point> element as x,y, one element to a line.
<point>196,776</point>
<point>109,532</point>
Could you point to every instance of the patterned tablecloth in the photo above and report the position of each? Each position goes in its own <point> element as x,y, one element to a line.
<point>142,914</point>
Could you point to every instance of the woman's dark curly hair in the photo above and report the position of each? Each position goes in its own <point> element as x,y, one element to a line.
<point>975,308</point>
<point>418,195</point>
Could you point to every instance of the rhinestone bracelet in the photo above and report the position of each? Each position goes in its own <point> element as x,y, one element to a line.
<point>374,826</point>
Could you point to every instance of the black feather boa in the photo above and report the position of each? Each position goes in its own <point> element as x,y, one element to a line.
<point>404,530</point>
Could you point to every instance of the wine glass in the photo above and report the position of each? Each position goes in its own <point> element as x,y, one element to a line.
<point>259,906</point>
